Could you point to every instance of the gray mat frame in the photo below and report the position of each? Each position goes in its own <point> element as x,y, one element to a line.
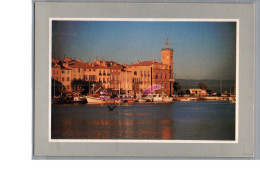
<point>245,145</point>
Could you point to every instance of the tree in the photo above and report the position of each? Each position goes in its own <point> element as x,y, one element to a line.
<point>176,86</point>
<point>81,86</point>
<point>203,86</point>
<point>187,91</point>
<point>58,86</point>
<point>218,94</point>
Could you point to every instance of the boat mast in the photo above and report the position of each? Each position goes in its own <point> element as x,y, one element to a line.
<point>119,83</point>
<point>54,88</point>
<point>126,84</point>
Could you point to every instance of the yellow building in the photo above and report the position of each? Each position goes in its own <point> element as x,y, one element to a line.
<point>66,77</point>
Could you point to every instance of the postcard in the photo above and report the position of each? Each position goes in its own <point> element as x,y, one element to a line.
<point>135,84</point>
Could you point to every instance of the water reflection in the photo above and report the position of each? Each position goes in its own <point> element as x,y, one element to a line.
<point>145,121</point>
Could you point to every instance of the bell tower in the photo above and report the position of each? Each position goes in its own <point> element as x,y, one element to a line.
<point>167,57</point>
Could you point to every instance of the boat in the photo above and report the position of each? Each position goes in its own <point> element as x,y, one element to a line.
<point>79,99</point>
<point>131,100</point>
<point>233,100</point>
<point>141,100</point>
<point>149,98</point>
<point>101,98</point>
<point>157,98</point>
<point>92,99</point>
<point>186,99</point>
<point>167,99</point>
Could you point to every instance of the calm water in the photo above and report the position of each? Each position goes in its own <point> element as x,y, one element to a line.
<point>179,120</point>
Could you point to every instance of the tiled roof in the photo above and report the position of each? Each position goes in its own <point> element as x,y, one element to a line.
<point>147,63</point>
<point>144,63</point>
<point>65,68</point>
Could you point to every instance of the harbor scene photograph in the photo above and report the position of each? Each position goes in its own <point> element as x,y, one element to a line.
<point>143,80</point>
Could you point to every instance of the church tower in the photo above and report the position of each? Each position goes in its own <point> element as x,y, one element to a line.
<point>167,57</point>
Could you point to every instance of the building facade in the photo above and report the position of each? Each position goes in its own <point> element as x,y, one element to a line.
<point>131,79</point>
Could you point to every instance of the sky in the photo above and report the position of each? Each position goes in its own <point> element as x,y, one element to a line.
<point>202,50</point>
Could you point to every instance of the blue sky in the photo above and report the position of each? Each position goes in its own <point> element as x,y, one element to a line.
<point>202,50</point>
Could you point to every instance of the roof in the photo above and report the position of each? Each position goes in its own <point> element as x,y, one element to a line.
<point>146,63</point>
<point>65,68</point>
<point>81,65</point>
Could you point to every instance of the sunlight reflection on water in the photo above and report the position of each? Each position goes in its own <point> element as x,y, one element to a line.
<point>178,120</point>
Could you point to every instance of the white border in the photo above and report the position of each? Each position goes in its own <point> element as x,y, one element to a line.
<point>146,19</point>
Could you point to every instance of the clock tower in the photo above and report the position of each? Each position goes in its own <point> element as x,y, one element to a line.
<point>167,57</point>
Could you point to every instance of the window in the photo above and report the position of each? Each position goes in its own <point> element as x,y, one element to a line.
<point>78,69</point>
<point>62,71</point>
<point>135,73</point>
<point>68,79</point>
<point>68,71</point>
<point>89,70</point>
<point>68,86</point>
<point>62,79</point>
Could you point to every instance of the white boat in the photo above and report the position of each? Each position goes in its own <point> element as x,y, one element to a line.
<point>149,98</point>
<point>103,98</point>
<point>79,99</point>
<point>157,98</point>
<point>92,99</point>
<point>141,100</point>
<point>167,99</point>
<point>188,99</point>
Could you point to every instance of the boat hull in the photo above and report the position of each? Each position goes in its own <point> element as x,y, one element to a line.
<point>94,100</point>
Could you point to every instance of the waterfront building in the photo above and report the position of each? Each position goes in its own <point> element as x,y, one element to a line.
<point>126,83</point>
<point>66,77</point>
<point>148,73</point>
<point>56,72</point>
<point>198,92</point>
<point>131,79</point>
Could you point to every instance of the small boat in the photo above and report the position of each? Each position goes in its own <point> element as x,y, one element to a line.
<point>92,99</point>
<point>233,100</point>
<point>141,100</point>
<point>79,99</point>
<point>118,101</point>
<point>131,100</point>
<point>167,99</point>
<point>157,98</point>
<point>186,99</point>
<point>149,98</point>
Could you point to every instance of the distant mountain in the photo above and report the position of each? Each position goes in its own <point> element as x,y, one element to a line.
<point>213,85</point>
